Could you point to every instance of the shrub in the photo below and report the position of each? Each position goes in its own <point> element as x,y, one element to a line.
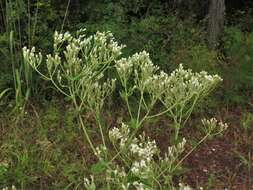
<point>238,73</point>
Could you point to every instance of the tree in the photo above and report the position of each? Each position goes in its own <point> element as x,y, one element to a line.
<point>216,19</point>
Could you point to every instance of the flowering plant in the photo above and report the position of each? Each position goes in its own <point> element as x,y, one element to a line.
<point>127,160</point>
<point>138,163</point>
<point>178,92</point>
<point>76,69</point>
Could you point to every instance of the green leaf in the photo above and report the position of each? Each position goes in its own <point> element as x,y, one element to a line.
<point>99,167</point>
<point>133,124</point>
<point>4,92</point>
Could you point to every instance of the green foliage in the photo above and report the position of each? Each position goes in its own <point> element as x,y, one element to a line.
<point>3,93</point>
<point>247,120</point>
<point>198,57</point>
<point>41,154</point>
<point>238,73</point>
<point>166,38</point>
<point>52,116</point>
<point>24,23</point>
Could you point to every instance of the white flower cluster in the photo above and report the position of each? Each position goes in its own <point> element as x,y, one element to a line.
<point>98,93</point>
<point>89,184</point>
<point>180,84</point>
<point>120,177</point>
<point>106,47</point>
<point>142,150</point>
<point>184,187</point>
<point>144,69</point>
<point>174,152</point>
<point>124,68</point>
<point>101,151</point>
<point>77,65</point>
<point>142,168</point>
<point>140,186</point>
<point>52,61</point>
<point>183,85</point>
<point>138,159</point>
<point>119,172</point>
<point>157,84</point>
<point>120,135</point>
<point>117,175</point>
<point>213,126</point>
<point>59,37</point>
<point>139,65</point>
<point>10,188</point>
<point>178,91</point>
<point>31,57</point>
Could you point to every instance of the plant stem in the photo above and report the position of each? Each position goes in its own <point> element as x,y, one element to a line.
<point>139,107</point>
<point>201,141</point>
<point>65,16</point>
<point>177,129</point>
<point>127,102</point>
<point>86,134</point>
<point>100,128</point>
<point>84,128</point>
<point>180,162</point>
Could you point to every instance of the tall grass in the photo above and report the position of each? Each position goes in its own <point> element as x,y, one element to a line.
<point>19,22</point>
<point>22,74</point>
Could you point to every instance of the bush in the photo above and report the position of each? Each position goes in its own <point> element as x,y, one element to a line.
<point>238,73</point>
<point>197,57</point>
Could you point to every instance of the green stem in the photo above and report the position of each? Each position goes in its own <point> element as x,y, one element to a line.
<point>86,134</point>
<point>201,141</point>
<point>56,86</point>
<point>127,101</point>
<point>84,129</point>
<point>180,162</point>
<point>177,129</point>
<point>100,128</point>
<point>188,113</point>
<point>65,16</point>
<point>161,113</point>
<point>139,107</point>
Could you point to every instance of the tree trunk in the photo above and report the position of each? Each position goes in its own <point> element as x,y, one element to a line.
<point>216,19</point>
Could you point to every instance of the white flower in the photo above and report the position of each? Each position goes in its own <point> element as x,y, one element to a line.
<point>174,152</point>
<point>140,186</point>
<point>213,126</point>
<point>120,134</point>
<point>184,187</point>
<point>89,184</point>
